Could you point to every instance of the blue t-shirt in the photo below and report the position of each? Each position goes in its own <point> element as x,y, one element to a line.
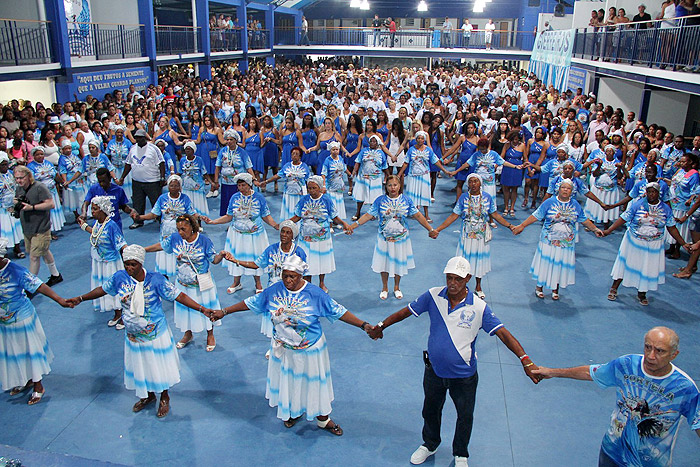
<point>372,162</point>
<point>116,195</point>
<point>232,163</point>
<point>155,288</point>
<point>419,160</point>
<point>578,188</point>
<point>485,165</point>
<point>333,170</point>
<point>639,190</point>
<point>296,315</point>
<point>644,425</point>
<point>392,214</point>
<point>247,213</point>
<point>69,166</point>
<point>169,209</point>
<point>683,186</point>
<point>91,164</point>
<point>273,257</point>
<point>560,218</point>
<point>106,241</point>
<point>316,216</point>
<point>554,167</point>
<point>192,258</point>
<point>14,304</point>
<point>647,221</point>
<point>193,172</point>
<point>44,173</point>
<point>295,177</point>
<point>475,212</point>
<point>453,331</point>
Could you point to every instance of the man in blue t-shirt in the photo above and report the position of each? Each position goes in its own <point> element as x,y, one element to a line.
<point>105,187</point>
<point>456,316</point>
<point>652,396</point>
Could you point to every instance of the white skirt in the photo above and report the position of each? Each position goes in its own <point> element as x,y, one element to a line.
<point>199,202</point>
<point>289,204</point>
<point>187,319</point>
<point>339,202</point>
<point>101,272</point>
<point>151,366</point>
<point>553,266</point>
<point>366,190</point>
<point>166,264</point>
<point>640,264</point>
<point>477,252</point>
<point>245,247</point>
<point>490,189</point>
<point>266,325</point>
<point>73,198</point>
<point>127,186</point>
<point>10,228</point>
<point>24,352</point>
<point>683,229</point>
<point>57,217</point>
<point>299,381</point>
<point>396,258</point>
<point>319,256</point>
<point>418,189</point>
<point>595,212</point>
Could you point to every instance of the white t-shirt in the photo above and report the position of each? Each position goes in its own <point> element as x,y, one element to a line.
<point>467,28</point>
<point>145,163</point>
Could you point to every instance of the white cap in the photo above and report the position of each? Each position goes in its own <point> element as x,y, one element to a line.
<point>458,266</point>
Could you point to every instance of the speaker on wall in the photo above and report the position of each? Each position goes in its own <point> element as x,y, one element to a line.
<point>559,10</point>
<point>535,3</point>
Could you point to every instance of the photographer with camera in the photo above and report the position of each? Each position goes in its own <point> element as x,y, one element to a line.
<point>33,206</point>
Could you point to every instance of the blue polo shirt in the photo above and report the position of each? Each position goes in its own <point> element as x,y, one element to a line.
<point>453,331</point>
<point>116,195</point>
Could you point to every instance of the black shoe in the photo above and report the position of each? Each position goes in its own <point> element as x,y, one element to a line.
<point>135,226</point>
<point>53,280</point>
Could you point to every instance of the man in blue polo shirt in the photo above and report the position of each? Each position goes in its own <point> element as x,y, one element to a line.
<point>116,194</point>
<point>652,396</point>
<point>456,316</point>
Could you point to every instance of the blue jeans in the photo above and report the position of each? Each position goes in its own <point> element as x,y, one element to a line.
<point>463,394</point>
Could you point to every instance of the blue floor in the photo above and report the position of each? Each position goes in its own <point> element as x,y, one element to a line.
<point>219,414</point>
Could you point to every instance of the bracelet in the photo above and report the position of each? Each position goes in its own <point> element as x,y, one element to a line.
<point>529,364</point>
<point>81,298</point>
<point>224,311</point>
<point>201,308</point>
<point>84,226</point>
<point>362,326</point>
<point>523,357</point>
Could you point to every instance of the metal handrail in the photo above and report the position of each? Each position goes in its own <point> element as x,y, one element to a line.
<point>25,45</point>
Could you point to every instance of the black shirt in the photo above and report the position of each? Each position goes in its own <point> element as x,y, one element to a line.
<point>644,17</point>
<point>377,23</point>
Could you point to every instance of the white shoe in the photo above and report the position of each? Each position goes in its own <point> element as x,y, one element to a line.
<point>461,461</point>
<point>210,195</point>
<point>420,455</point>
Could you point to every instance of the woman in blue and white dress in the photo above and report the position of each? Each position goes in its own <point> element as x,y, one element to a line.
<point>194,253</point>
<point>246,238</point>
<point>477,208</point>
<point>117,150</point>
<point>640,262</point>
<point>25,355</point>
<point>684,184</point>
<point>484,163</point>
<point>151,363</point>
<point>604,186</point>
<point>298,373</point>
<point>332,172</point>
<point>369,165</point>
<point>467,145</point>
<point>554,264</point>
<point>45,172</point>
<point>194,173</point>
<point>106,246</point>
<point>294,174</point>
<point>93,161</point>
<point>168,207</point>
<point>69,170</point>
<point>253,144</point>
<point>231,161</point>
<point>393,252</point>
<point>316,211</point>
<point>417,171</point>
<point>10,226</point>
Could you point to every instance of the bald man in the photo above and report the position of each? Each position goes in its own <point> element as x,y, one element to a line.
<point>652,396</point>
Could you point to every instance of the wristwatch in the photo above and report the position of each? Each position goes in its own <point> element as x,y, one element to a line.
<point>362,326</point>
<point>380,324</point>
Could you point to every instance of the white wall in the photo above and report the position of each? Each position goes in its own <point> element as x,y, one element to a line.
<point>582,13</point>
<point>22,9</point>
<point>669,108</point>
<point>117,12</point>
<point>34,90</point>
<point>557,22</point>
<point>621,93</point>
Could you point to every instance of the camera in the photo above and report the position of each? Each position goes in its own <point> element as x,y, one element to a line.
<point>18,206</point>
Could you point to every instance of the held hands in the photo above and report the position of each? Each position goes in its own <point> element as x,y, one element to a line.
<point>70,302</point>
<point>517,229</point>
<point>374,332</point>
<point>532,371</point>
<point>542,372</point>
<point>64,303</point>
<point>599,233</point>
<point>214,315</point>
<point>688,247</point>
<point>205,219</point>
<point>434,234</point>
<point>134,215</point>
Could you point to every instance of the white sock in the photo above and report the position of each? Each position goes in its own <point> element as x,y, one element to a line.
<point>52,269</point>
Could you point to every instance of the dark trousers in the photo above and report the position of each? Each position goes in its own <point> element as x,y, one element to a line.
<point>142,190</point>
<point>605,461</point>
<point>463,394</point>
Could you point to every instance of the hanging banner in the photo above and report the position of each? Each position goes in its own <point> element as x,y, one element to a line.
<point>97,84</point>
<point>551,57</point>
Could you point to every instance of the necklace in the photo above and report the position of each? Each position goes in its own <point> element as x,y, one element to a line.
<point>95,234</point>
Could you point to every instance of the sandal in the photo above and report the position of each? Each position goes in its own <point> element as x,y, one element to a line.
<point>612,295</point>
<point>480,294</point>
<point>163,408</point>
<point>20,255</point>
<point>210,348</point>
<point>143,403</point>
<point>523,204</point>
<point>335,429</point>
<point>36,398</point>
<point>234,289</point>
<point>257,291</point>
<point>384,294</point>
<point>182,344</point>
<point>291,421</point>
<point>398,294</point>
<point>20,389</point>
<point>644,301</point>
<point>555,295</point>
<point>539,293</point>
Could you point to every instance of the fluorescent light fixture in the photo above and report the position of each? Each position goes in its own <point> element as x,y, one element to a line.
<point>422,6</point>
<point>364,5</point>
<point>478,8</point>
<point>355,3</point>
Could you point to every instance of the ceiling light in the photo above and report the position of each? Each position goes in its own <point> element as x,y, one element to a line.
<point>364,5</point>
<point>422,6</point>
<point>355,3</point>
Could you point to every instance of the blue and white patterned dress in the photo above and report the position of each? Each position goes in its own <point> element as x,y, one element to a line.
<point>393,252</point>
<point>554,264</point>
<point>605,188</point>
<point>417,175</point>
<point>192,258</point>
<point>90,166</point>
<point>106,243</point>
<point>24,351</point>
<point>74,195</point>
<point>333,171</point>
<point>193,172</point>
<point>45,173</point>
<point>683,186</point>
<point>168,209</point>
<point>246,237</point>
<point>10,226</point>
<point>117,152</point>
<point>485,166</point>
<point>472,245</point>
<point>294,178</point>
<point>151,363</point>
<point>368,183</point>
<point>298,372</point>
<point>315,232</point>
<point>230,163</point>
<point>640,262</point>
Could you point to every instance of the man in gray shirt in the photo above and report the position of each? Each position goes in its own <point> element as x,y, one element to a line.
<point>35,217</point>
<point>447,32</point>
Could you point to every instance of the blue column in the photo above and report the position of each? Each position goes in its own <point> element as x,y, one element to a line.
<point>242,13</point>
<point>202,15</point>
<point>297,27</point>
<point>270,26</point>
<point>58,35</point>
<point>149,34</point>
<point>644,105</point>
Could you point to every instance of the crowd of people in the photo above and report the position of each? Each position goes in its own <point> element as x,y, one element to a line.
<point>324,136</point>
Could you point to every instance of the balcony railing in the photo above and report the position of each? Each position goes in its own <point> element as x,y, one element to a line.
<point>411,38</point>
<point>258,39</point>
<point>172,40</point>
<point>24,42</point>
<point>225,40</point>
<point>671,43</point>
<point>103,41</point>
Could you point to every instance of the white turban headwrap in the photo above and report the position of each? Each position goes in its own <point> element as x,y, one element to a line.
<point>175,177</point>
<point>296,264</point>
<point>165,143</point>
<point>66,143</point>
<point>191,145</point>
<point>38,148</point>
<point>4,243</point>
<point>119,127</point>
<point>134,252</point>
<point>93,142</point>
<point>423,133</point>
<point>231,133</point>
<point>566,181</point>
<point>654,185</point>
<point>317,179</point>
<point>474,175</point>
<point>290,225</point>
<point>568,162</point>
<point>245,177</point>
<point>333,144</point>
<point>379,140</point>
<point>4,157</point>
<point>563,147</point>
<point>104,203</point>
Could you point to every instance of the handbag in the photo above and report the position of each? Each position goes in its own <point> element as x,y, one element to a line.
<point>205,280</point>
<point>488,233</point>
<point>213,154</point>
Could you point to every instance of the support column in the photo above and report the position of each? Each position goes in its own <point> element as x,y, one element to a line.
<point>58,35</point>
<point>146,18</point>
<point>644,104</point>
<point>201,13</point>
<point>242,13</point>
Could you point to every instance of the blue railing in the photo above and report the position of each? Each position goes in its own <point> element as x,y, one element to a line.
<point>258,39</point>
<point>24,42</point>
<point>172,40</point>
<point>225,40</point>
<point>106,41</point>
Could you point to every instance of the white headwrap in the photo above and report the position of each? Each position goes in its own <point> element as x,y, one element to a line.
<point>317,179</point>
<point>568,162</point>
<point>104,203</point>
<point>245,177</point>
<point>175,177</point>
<point>119,127</point>
<point>290,225</point>
<point>4,157</point>
<point>566,181</point>
<point>38,148</point>
<point>333,144</point>
<point>379,140</point>
<point>654,185</point>
<point>4,243</point>
<point>425,134</point>
<point>93,142</point>
<point>231,133</point>
<point>165,143</point>
<point>474,175</point>
<point>563,147</point>
<point>191,145</point>
<point>134,252</point>
<point>66,143</point>
<point>296,264</point>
